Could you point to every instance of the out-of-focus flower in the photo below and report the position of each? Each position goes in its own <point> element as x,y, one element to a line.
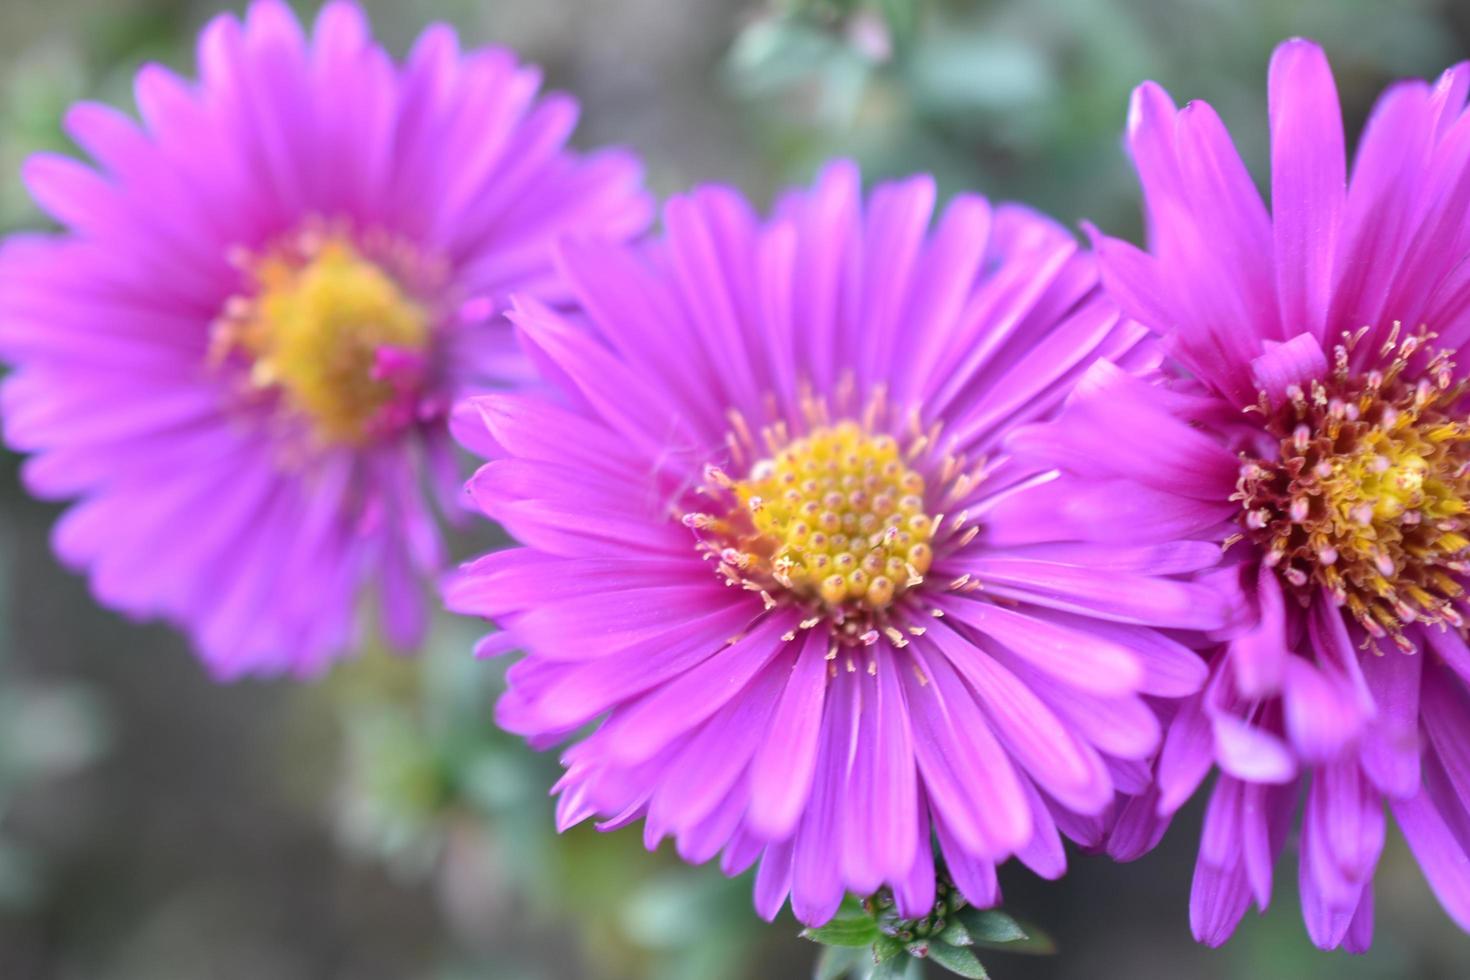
<point>1322,437</point>
<point>775,544</point>
<point>240,352</point>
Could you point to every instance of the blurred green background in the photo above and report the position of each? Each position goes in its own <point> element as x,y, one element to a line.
<point>153,826</point>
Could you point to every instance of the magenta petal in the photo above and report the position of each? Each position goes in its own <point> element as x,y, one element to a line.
<point>1295,362</point>
<point>1354,819</point>
<point>1043,853</point>
<point>1186,756</point>
<point>773,880</point>
<point>1329,901</point>
<point>607,622</point>
<point>648,724</point>
<point>1152,120</point>
<point>1381,208</point>
<point>1453,649</point>
<point>1170,669</point>
<point>913,892</point>
<point>405,607</point>
<point>580,694</point>
<point>1100,511</point>
<point>742,850</point>
<point>1115,596</point>
<point>940,710</point>
<point>1145,441</point>
<point>1260,655</point>
<point>895,815</point>
<point>1217,180</point>
<point>1138,827</point>
<point>1308,180</point>
<point>1124,728</point>
<point>974,877</point>
<point>861,871</point>
<point>1322,715</point>
<point>816,882</point>
<point>1251,753</point>
<point>1390,750</point>
<point>948,270</point>
<point>1069,770</point>
<point>1071,656</point>
<point>781,772</point>
<point>1222,832</point>
<point>1359,936</point>
<point>1266,817</point>
<point>1217,902</point>
<point>1446,722</point>
<point>597,376</point>
<point>1132,277</point>
<point>715,757</point>
<point>1441,853</point>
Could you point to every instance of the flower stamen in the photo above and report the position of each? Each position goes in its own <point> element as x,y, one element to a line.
<point>839,520</point>
<point>1369,494</point>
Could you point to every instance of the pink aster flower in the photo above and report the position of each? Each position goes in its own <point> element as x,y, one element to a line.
<point>240,350</point>
<point>775,549</point>
<point>1322,438</point>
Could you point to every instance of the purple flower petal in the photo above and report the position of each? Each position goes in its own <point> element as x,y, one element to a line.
<point>1308,180</point>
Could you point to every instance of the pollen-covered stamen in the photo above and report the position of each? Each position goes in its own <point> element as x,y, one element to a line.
<point>1368,497</point>
<point>839,520</point>
<point>836,515</point>
<point>336,333</point>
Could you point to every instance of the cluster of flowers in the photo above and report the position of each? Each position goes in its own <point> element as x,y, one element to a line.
<point>850,538</point>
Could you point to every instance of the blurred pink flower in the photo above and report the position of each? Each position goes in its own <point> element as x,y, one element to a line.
<point>240,350</point>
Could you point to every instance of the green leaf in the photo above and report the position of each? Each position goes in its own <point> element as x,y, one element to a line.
<point>836,962</point>
<point>886,948</point>
<point>897,968</point>
<point>959,73</point>
<point>958,960</point>
<point>991,926</point>
<point>995,929</point>
<point>844,932</point>
<point>902,17</point>
<point>956,934</point>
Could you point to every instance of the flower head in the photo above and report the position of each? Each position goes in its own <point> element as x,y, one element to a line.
<point>775,544</point>
<point>1319,433</point>
<point>240,351</point>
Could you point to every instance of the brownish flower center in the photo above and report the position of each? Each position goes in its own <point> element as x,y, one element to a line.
<point>1368,495</point>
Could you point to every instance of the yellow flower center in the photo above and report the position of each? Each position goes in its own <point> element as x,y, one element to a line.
<point>1369,494</point>
<point>317,328</point>
<point>835,519</point>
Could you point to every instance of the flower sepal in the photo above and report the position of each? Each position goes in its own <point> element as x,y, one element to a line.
<point>868,940</point>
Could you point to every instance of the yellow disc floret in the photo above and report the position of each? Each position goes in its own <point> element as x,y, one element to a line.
<point>314,328</point>
<point>835,518</point>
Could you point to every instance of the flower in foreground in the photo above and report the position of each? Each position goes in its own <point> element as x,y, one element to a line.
<point>1323,439</point>
<point>775,547</point>
<point>240,352</point>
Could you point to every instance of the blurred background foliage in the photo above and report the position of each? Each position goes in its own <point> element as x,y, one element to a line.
<point>375,825</point>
